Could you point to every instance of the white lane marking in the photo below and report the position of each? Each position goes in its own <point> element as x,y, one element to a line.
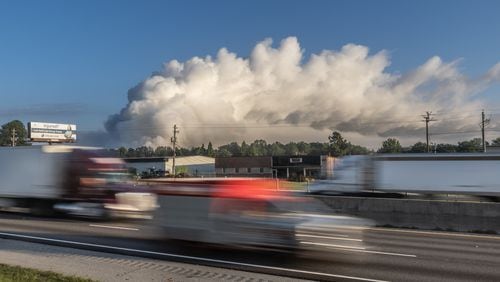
<point>437,233</point>
<point>328,237</point>
<point>380,253</point>
<point>341,235</point>
<point>114,227</point>
<point>335,235</point>
<point>297,271</point>
<point>375,252</point>
<point>331,245</point>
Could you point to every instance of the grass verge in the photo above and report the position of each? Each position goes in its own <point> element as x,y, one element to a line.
<point>17,274</point>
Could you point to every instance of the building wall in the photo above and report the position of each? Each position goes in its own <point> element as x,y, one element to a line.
<point>199,169</point>
<point>298,168</point>
<point>493,149</point>
<point>286,167</point>
<point>196,165</point>
<point>244,167</point>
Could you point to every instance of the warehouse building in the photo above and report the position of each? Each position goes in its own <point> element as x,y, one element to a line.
<point>285,167</point>
<point>244,167</point>
<point>493,148</point>
<point>196,166</point>
<point>300,168</point>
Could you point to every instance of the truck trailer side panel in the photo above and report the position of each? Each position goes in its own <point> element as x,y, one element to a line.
<point>28,172</point>
<point>452,174</point>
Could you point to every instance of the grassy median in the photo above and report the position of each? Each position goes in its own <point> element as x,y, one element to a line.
<point>18,274</point>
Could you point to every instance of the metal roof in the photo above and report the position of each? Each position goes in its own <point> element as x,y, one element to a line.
<point>193,160</point>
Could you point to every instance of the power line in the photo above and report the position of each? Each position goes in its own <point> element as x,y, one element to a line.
<point>455,132</point>
<point>440,112</point>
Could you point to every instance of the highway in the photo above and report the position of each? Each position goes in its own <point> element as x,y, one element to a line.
<point>387,255</point>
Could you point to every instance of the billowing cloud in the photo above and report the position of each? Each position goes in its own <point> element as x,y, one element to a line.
<point>277,94</point>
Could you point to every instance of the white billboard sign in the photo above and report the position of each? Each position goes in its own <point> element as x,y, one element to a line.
<point>51,132</point>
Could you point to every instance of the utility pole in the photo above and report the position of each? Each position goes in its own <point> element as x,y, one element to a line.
<point>427,118</point>
<point>13,137</point>
<point>174,142</point>
<point>483,124</point>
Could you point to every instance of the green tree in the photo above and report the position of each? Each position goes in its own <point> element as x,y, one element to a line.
<point>131,153</point>
<point>198,151</point>
<point>245,149</point>
<point>470,146</point>
<point>391,145</point>
<point>223,152</point>
<point>183,151</point>
<point>292,149</point>
<point>304,148</point>
<point>446,148</point>
<point>163,151</point>
<point>496,141</point>
<point>259,148</point>
<point>419,147</point>
<point>318,148</point>
<point>358,150</point>
<point>233,148</point>
<point>122,152</point>
<point>210,150</point>
<point>144,151</point>
<point>276,149</point>
<point>6,133</point>
<point>338,145</point>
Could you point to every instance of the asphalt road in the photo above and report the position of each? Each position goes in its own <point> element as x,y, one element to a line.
<point>387,255</point>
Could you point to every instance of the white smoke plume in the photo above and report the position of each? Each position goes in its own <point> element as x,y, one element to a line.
<point>277,94</point>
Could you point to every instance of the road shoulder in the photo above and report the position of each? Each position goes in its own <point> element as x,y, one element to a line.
<point>113,267</point>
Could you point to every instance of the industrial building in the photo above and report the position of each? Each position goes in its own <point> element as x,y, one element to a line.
<point>493,148</point>
<point>244,166</point>
<point>196,166</point>
<point>285,167</point>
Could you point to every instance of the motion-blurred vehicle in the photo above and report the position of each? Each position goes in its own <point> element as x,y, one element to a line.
<point>249,213</point>
<point>79,181</point>
<point>464,174</point>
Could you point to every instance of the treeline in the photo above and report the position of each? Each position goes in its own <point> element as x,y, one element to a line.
<point>235,149</point>
<point>392,145</point>
<point>337,146</point>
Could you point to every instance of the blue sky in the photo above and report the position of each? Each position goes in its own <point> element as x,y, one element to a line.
<point>73,61</point>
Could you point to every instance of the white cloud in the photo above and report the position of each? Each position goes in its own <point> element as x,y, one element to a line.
<point>347,90</point>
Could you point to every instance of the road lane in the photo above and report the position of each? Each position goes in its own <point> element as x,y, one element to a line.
<point>433,256</point>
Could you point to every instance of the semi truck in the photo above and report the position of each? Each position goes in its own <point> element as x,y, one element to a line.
<point>79,181</point>
<point>251,213</point>
<point>465,174</point>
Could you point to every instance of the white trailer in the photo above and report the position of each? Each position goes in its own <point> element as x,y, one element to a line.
<point>30,172</point>
<point>69,179</point>
<point>467,174</point>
